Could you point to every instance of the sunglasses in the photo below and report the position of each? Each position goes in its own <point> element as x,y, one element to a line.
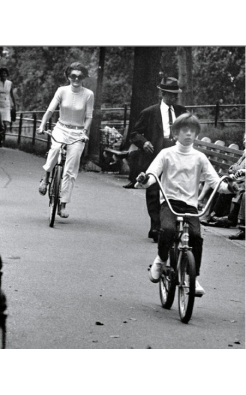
<point>75,76</point>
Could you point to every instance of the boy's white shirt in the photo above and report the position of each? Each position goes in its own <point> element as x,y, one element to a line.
<point>181,168</point>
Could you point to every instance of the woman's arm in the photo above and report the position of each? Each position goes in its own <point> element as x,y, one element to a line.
<point>45,119</point>
<point>89,113</point>
<point>87,125</point>
<point>52,107</point>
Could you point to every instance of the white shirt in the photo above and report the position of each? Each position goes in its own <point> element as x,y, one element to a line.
<point>165,118</point>
<point>181,168</point>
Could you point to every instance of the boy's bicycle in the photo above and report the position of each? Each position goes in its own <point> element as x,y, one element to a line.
<point>55,182</point>
<point>180,269</point>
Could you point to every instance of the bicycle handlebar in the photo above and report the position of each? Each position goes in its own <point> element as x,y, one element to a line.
<point>189,214</point>
<point>82,138</point>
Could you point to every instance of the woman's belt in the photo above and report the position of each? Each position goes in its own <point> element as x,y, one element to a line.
<point>71,126</point>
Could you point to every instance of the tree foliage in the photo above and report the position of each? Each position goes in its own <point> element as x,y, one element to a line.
<point>219,74</point>
<point>36,72</point>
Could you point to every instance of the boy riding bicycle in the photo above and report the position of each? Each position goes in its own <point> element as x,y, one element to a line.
<point>180,168</point>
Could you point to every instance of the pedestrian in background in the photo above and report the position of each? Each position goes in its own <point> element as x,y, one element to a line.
<point>152,133</point>
<point>7,101</point>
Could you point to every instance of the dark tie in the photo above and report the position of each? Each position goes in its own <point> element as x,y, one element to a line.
<point>170,121</point>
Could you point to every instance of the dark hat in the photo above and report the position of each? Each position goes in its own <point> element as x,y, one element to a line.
<point>169,84</point>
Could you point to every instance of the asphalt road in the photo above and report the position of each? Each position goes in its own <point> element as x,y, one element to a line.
<point>92,268</point>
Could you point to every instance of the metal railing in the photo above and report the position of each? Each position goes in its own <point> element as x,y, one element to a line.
<point>27,121</point>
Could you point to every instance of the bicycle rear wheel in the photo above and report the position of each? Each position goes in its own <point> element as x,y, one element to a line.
<point>54,193</point>
<point>167,283</point>
<point>186,294</point>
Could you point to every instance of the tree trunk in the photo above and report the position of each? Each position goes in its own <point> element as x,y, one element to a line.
<point>145,80</point>
<point>185,65</point>
<point>94,142</point>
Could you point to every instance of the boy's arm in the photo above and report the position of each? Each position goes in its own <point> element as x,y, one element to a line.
<point>156,167</point>
<point>212,178</point>
<point>144,180</point>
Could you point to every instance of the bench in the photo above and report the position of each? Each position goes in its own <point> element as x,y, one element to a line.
<point>116,158</point>
<point>220,156</point>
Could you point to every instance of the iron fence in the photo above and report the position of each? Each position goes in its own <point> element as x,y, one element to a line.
<point>26,124</point>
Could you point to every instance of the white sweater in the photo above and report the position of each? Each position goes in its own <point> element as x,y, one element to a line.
<point>75,104</point>
<point>181,168</point>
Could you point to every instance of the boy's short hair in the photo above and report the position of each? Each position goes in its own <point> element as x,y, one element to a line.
<point>186,119</point>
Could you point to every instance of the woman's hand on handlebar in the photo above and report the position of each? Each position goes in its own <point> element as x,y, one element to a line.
<point>84,138</point>
<point>40,130</point>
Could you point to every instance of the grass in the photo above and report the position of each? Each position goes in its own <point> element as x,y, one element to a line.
<point>26,146</point>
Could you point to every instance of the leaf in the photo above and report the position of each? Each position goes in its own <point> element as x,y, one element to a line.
<point>13,257</point>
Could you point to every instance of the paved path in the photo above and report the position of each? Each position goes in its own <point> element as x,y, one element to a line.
<point>92,268</point>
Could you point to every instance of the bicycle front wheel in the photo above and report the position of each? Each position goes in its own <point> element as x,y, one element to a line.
<point>167,283</point>
<point>187,278</point>
<point>54,194</point>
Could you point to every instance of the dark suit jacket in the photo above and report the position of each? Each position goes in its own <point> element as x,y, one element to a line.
<point>149,128</point>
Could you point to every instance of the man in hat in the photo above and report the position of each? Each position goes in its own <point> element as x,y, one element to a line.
<point>151,134</point>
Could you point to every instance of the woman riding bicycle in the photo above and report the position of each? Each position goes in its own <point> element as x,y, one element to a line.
<point>76,109</point>
<point>180,168</point>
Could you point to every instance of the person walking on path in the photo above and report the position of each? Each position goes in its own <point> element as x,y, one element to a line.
<point>76,111</point>
<point>152,133</point>
<point>7,101</point>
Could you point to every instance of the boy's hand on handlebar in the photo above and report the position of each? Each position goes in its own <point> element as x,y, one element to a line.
<point>232,187</point>
<point>240,173</point>
<point>142,178</point>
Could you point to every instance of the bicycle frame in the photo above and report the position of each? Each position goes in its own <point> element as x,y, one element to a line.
<point>57,175</point>
<point>189,214</point>
<point>182,269</point>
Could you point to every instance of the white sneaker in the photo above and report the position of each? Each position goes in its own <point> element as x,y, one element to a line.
<point>199,290</point>
<point>63,213</point>
<point>156,270</point>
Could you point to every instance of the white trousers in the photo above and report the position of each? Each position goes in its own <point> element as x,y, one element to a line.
<point>72,163</point>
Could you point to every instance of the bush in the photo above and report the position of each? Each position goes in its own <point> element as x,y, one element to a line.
<point>230,134</point>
